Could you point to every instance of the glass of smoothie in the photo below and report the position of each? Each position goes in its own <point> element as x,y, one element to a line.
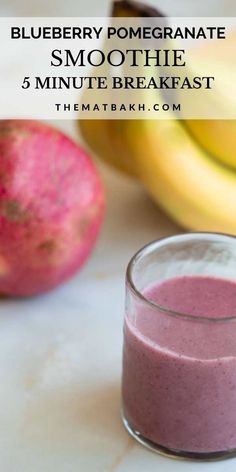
<point>179,356</point>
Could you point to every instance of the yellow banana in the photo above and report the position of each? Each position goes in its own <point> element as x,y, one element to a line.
<point>94,133</point>
<point>195,190</point>
<point>105,137</point>
<point>218,137</point>
<point>102,137</point>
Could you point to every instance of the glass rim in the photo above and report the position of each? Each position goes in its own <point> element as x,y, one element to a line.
<point>153,245</point>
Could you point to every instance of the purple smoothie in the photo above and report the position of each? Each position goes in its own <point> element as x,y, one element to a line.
<point>179,374</point>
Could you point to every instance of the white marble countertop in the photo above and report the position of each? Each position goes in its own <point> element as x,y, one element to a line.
<point>60,358</point>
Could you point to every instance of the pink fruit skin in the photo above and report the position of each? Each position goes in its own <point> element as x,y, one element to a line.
<point>51,207</point>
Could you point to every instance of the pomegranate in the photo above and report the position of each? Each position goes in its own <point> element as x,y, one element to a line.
<point>51,207</point>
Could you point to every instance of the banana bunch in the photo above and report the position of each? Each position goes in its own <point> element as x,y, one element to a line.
<point>189,167</point>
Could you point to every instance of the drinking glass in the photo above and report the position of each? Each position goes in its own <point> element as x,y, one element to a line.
<point>179,369</point>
